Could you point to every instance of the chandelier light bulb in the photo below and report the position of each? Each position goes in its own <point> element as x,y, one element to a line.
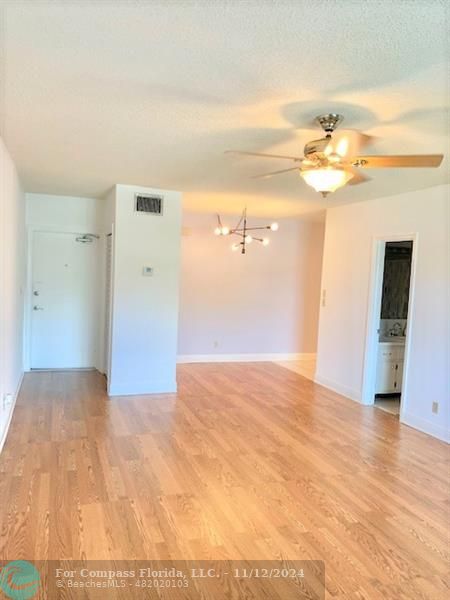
<point>217,231</point>
<point>265,242</point>
<point>235,247</point>
<point>248,239</point>
<point>274,227</point>
<point>225,230</point>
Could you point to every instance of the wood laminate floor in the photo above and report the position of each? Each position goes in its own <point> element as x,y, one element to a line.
<point>304,366</point>
<point>246,461</point>
<point>390,405</point>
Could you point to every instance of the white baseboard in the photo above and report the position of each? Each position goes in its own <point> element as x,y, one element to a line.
<point>141,388</point>
<point>217,358</point>
<point>4,433</point>
<point>426,427</point>
<point>334,386</point>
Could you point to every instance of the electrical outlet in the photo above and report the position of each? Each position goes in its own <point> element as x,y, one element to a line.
<point>435,408</point>
<point>7,400</point>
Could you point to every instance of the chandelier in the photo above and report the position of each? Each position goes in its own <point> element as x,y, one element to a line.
<point>242,230</point>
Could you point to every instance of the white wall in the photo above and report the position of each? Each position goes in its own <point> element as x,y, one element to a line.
<point>349,241</point>
<point>145,309</point>
<point>70,214</point>
<point>263,303</point>
<point>12,283</point>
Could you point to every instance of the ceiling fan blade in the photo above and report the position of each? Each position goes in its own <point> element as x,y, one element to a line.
<point>348,143</point>
<point>358,176</point>
<point>407,160</point>
<point>358,138</point>
<point>364,139</point>
<point>264,175</point>
<point>296,158</point>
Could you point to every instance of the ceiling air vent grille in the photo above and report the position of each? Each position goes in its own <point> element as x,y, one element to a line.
<point>151,205</point>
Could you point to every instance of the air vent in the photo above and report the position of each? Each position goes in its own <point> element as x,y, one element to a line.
<point>151,205</point>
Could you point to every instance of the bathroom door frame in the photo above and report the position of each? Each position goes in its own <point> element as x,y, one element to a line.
<point>373,318</point>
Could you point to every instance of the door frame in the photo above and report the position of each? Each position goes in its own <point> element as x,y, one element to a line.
<point>28,292</point>
<point>373,318</point>
<point>107,350</point>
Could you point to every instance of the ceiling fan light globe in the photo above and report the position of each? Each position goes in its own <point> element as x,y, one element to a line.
<point>326,179</point>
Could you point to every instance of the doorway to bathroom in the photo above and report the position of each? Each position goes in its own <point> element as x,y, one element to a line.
<point>388,324</point>
<point>393,325</point>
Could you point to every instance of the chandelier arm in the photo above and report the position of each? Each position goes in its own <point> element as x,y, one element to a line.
<point>240,220</point>
<point>254,228</point>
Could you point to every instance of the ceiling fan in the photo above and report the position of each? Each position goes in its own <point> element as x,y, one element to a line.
<point>327,166</point>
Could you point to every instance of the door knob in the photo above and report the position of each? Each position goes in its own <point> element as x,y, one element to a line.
<point>37,308</point>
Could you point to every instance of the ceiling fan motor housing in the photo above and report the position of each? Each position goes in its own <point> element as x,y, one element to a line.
<point>316,148</point>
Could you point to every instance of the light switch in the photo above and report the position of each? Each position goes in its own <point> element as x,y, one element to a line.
<point>147,271</point>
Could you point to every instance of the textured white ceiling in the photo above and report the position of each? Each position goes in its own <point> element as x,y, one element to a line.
<point>152,93</point>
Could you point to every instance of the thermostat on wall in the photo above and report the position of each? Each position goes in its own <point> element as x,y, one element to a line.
<point>147,271</point>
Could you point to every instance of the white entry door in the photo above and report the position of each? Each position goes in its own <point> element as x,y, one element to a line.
<point>64,301</point>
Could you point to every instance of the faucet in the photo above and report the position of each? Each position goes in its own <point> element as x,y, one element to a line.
<point>396,330</point>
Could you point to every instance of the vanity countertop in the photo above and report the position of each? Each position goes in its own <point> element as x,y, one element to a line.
<point>393,339</point>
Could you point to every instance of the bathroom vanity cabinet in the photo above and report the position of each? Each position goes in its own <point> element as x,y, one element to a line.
<point>390,367</point>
